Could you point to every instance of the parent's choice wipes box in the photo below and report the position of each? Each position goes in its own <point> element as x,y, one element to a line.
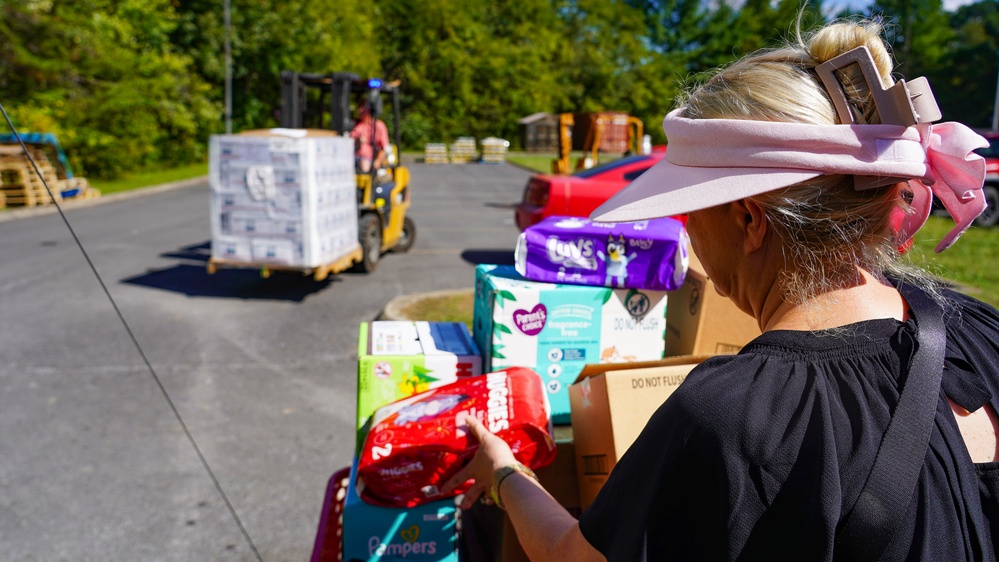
<point>557,329</point>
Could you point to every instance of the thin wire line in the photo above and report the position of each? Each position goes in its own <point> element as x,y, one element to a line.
<point>149,366</point>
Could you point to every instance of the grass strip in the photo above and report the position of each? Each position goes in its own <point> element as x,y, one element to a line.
<point>971,262</point>
<point>455,307</point>
<point>147,179</point>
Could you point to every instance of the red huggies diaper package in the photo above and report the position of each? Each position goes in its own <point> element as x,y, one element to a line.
<point>416,444</point>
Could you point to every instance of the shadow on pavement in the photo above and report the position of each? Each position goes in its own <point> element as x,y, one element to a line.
<point>498,257</point>
<point>195,252</point>
<point>192,279</point>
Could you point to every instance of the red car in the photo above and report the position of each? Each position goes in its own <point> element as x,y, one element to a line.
<point>581,193</point>
<point>991,189</point>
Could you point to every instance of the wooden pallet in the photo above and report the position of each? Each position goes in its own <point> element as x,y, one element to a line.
<point>22,186</point>
<point>318,273</point>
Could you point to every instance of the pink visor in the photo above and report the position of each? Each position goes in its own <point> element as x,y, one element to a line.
<point>714,161</point>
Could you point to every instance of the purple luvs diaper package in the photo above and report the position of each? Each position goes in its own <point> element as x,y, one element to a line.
<point>651,255</point>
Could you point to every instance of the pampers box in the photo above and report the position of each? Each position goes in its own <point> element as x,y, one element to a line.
<point>557,329</point>
<point>426,533</point>
<point>396,360</point>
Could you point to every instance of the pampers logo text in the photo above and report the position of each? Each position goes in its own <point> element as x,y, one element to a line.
<point>577,254</point>
<point>410,546</point>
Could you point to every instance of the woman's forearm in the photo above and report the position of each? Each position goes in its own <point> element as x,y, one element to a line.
<point>545,529</point>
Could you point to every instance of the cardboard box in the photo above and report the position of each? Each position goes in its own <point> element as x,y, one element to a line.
<point>702,322</point>
<point>276,191</point>
<point>396,360</point>
<point>559,477</point>
<point>610,406</point>
<point>557,329</point>
<point>426,533</point>
<point>560,480</point>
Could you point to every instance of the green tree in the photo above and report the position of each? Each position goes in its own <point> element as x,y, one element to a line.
<point>270,36</point>
<point>103,76</point>
<point>690,39</point>
<point>471,68</point>
<point>966,89</point>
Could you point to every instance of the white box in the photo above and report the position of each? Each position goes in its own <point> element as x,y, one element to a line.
<point>396,360</point>
<point>232,248</point>
<point>276,251</point>
<point>288,195</point>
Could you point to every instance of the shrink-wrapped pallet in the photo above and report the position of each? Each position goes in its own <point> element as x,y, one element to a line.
<point>284,197</point>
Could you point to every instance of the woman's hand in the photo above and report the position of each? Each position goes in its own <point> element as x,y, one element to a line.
<point>493,454</point>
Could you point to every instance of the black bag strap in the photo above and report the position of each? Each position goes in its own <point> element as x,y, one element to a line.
<point>868,528</point>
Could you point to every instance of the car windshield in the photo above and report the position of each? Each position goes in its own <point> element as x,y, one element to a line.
<point>596,170</point>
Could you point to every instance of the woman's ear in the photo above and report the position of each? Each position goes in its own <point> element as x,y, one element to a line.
<point>752,221</point>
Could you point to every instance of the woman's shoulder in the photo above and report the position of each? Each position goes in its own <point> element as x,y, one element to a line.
<point>715,393</point>
<point>783,378</point>
<point>962,310</point>
<point>972,335</point>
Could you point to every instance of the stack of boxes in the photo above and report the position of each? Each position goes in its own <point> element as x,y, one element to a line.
<point>494,150</point>
<point>435,153</point>
<point>463,150</point>
<point>397,360</point>
<point>609,358</point>
<point>283,198</point>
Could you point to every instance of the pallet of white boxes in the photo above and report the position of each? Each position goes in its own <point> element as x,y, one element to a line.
<point>494,150</point>
<point>463,150</point>
<point>283,199</point>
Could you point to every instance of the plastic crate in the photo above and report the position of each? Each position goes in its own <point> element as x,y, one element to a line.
<point>329,536</point>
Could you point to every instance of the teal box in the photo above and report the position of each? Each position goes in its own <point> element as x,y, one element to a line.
<point>426,533</point>
<point>558,329</point>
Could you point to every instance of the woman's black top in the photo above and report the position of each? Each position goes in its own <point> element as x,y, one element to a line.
<point>758,456</point>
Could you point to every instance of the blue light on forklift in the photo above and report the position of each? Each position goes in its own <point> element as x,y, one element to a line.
<point>374,82</point>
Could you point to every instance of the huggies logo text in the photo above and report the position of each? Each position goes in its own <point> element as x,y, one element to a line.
<point>499,411</point>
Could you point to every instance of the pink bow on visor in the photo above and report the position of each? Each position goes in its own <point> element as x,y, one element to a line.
<point>955,174</point>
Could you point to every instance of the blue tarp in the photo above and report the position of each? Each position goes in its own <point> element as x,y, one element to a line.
<point>42,139</point>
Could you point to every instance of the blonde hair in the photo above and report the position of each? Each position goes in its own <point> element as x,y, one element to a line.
<point>826,228</point>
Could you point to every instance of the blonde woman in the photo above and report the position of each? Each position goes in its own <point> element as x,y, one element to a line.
<point>862,423</point>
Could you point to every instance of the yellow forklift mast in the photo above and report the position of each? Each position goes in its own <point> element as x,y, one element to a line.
<point>598,123</point>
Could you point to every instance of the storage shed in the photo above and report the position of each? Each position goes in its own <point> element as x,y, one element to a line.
<point>539,132</point>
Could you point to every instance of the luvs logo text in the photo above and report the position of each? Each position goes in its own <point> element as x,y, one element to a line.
<point>577,254</point>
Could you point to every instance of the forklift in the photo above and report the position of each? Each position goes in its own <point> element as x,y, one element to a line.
<point>323,101</point>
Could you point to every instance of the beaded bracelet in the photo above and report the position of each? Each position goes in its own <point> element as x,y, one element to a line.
<point>502,473</point>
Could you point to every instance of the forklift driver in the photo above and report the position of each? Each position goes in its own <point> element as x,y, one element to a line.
<point>369,155</point>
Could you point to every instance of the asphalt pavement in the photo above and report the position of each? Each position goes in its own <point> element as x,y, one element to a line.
<point>94,464</point>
